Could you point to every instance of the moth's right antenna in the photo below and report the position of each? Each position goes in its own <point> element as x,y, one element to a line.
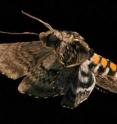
<point>35,18</point>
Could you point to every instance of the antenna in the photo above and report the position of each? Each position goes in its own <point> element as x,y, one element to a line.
<point>21,33</point>
<point>35,18</point>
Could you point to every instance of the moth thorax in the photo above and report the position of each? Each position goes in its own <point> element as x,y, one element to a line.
<point>67,53</point>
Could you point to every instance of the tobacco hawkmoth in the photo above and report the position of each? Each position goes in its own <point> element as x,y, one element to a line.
<point>59,63</point>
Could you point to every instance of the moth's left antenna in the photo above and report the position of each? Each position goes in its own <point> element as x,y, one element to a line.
<point>35,18</point>
<point>20,33</point>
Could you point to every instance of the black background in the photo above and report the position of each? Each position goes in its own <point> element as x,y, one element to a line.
<point>94,20</point>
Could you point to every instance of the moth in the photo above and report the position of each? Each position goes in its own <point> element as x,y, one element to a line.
<point>59,63</point>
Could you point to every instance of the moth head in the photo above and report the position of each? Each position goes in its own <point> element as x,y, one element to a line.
<point>53,37</point>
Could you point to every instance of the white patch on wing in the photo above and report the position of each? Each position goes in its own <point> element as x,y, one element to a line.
<point>84,67</point>
<point>93,85</point>
<point>87,89</point>
<point>83,79</point>
<point>83,93</point>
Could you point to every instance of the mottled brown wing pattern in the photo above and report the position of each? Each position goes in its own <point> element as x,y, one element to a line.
<point>41,80</point>
<point>16,59</point>
<point>38,63</point>
<point>107,82</point>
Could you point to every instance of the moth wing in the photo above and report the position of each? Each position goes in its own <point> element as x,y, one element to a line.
<point>77,90</point>
<point>41,81</point>
<point>16,59</point>
<point>107,82</point>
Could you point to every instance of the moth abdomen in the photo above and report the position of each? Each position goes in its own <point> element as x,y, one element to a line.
<point>103,66</point>
<point>105,71</point>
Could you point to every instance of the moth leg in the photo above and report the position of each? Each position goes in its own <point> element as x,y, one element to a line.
<point>72,65</point>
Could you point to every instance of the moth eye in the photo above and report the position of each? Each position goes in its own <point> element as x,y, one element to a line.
<point>52,37</point>
<point>52,40</point>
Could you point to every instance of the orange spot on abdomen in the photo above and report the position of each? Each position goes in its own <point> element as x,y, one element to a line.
<point>95,58</point>
<point>113,66</point>
<point>104,62</point>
